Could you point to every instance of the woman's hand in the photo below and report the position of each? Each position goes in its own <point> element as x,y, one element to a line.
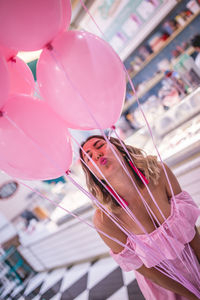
<point>166,282</point>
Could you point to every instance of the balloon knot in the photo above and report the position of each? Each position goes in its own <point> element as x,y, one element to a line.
<point>1,113</point>
<point>13,59</point>
<point>113,127</point>
<point>68,172</point>
<point>49,46</point>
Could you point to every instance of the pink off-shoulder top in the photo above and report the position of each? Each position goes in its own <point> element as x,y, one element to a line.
<point>170,242</point>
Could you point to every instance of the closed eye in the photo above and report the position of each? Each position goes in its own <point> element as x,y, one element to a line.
<point>99,146</point>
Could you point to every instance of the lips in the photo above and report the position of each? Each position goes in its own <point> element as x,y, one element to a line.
<point>103,161</point>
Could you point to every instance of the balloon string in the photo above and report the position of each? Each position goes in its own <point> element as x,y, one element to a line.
<point>139,107</point>
<point>125,208</point>
<point>90,225</point>
<point>35,144</point>
<point>129,79</point>
<point>159,267</point>
<point>98,169</point>
<point>135,238</point>
<point>76,216</point>
<point>59,64</point>
<point>150,212</point>
<point>12,122</point>
<point>164,232</point>
<point>51,48</point>
<point>152,137</point>
<point>144,182</point>
<point>55,57</point>
<point>130,233</point>
<point>152,197</point>
<point>24,133</point>
<point>113,127</point>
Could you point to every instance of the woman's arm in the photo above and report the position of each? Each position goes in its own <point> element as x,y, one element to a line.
<point>195,243</point>
<point>172,179</point>
<point>103,223</point>
<point>166,282</point>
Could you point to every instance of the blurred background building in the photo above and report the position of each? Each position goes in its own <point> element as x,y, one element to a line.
<point>45,252</point>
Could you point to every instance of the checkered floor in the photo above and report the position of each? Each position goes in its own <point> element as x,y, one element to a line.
<point>100,280</point>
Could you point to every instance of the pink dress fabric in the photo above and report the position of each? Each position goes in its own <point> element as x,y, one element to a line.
<point>171,241</point>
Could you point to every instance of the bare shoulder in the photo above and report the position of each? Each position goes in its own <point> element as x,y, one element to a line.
<point>172,179</point>
<point>97,217</point>
<point>103,223</point>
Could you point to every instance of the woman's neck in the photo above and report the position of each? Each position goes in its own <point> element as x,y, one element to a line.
<point>123,185</point>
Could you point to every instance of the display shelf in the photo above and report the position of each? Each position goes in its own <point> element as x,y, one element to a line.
<point>181,112</point>
<point>168,41</point>
<point>183,135</point>
<point>165,9</point>
<point>151,83</point>
<point>189,103</point>
<point>155,80</point>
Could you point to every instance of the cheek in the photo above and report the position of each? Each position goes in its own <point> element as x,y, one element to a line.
<point>112,151</point>
<point>95,171</point>
<point>113,156</point>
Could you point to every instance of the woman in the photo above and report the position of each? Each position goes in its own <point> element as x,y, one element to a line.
<point>181,216</point>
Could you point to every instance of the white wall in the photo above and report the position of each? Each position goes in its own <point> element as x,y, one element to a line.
<point>72,243</point>
<point>13,206</point>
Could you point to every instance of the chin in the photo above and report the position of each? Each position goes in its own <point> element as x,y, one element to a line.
<point>111,169</point>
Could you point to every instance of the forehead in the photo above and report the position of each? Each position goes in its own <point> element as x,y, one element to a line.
<point>90,143</point>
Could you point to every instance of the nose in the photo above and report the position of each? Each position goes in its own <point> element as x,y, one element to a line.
<point>97,154</point>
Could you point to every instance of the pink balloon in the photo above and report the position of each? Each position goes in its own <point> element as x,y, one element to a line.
<point>82,64</point>
<point>30,24</point>
<point>7,52</point>
<point>4,81</point>
<point>66,14</point>
<point>50,153</point>
<point>21,77</point>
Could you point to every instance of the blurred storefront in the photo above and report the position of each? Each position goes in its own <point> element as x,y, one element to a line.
<point>153,38</point>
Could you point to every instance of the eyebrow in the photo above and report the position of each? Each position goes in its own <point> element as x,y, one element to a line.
<point>94,145</point>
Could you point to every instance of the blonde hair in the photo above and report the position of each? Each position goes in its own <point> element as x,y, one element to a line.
<point>147,164</point>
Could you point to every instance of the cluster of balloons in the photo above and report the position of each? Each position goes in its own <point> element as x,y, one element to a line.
<point>80,77</point>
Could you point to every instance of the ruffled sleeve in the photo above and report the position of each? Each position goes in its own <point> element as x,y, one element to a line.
<point>127,259</point>
<point>166,242</point>
<point>169,240</point>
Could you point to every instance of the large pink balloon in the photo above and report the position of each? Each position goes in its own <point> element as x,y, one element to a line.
<point>50,153</point>
<point>21,77</point>
<point>30,24</point>
<point>88,63</point>
<point>7,52</point>
<point>4,81</point>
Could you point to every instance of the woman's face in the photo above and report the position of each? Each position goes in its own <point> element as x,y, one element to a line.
<point>101,154</point>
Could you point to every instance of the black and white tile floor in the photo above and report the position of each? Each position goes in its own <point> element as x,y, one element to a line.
<point>100,280</point>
